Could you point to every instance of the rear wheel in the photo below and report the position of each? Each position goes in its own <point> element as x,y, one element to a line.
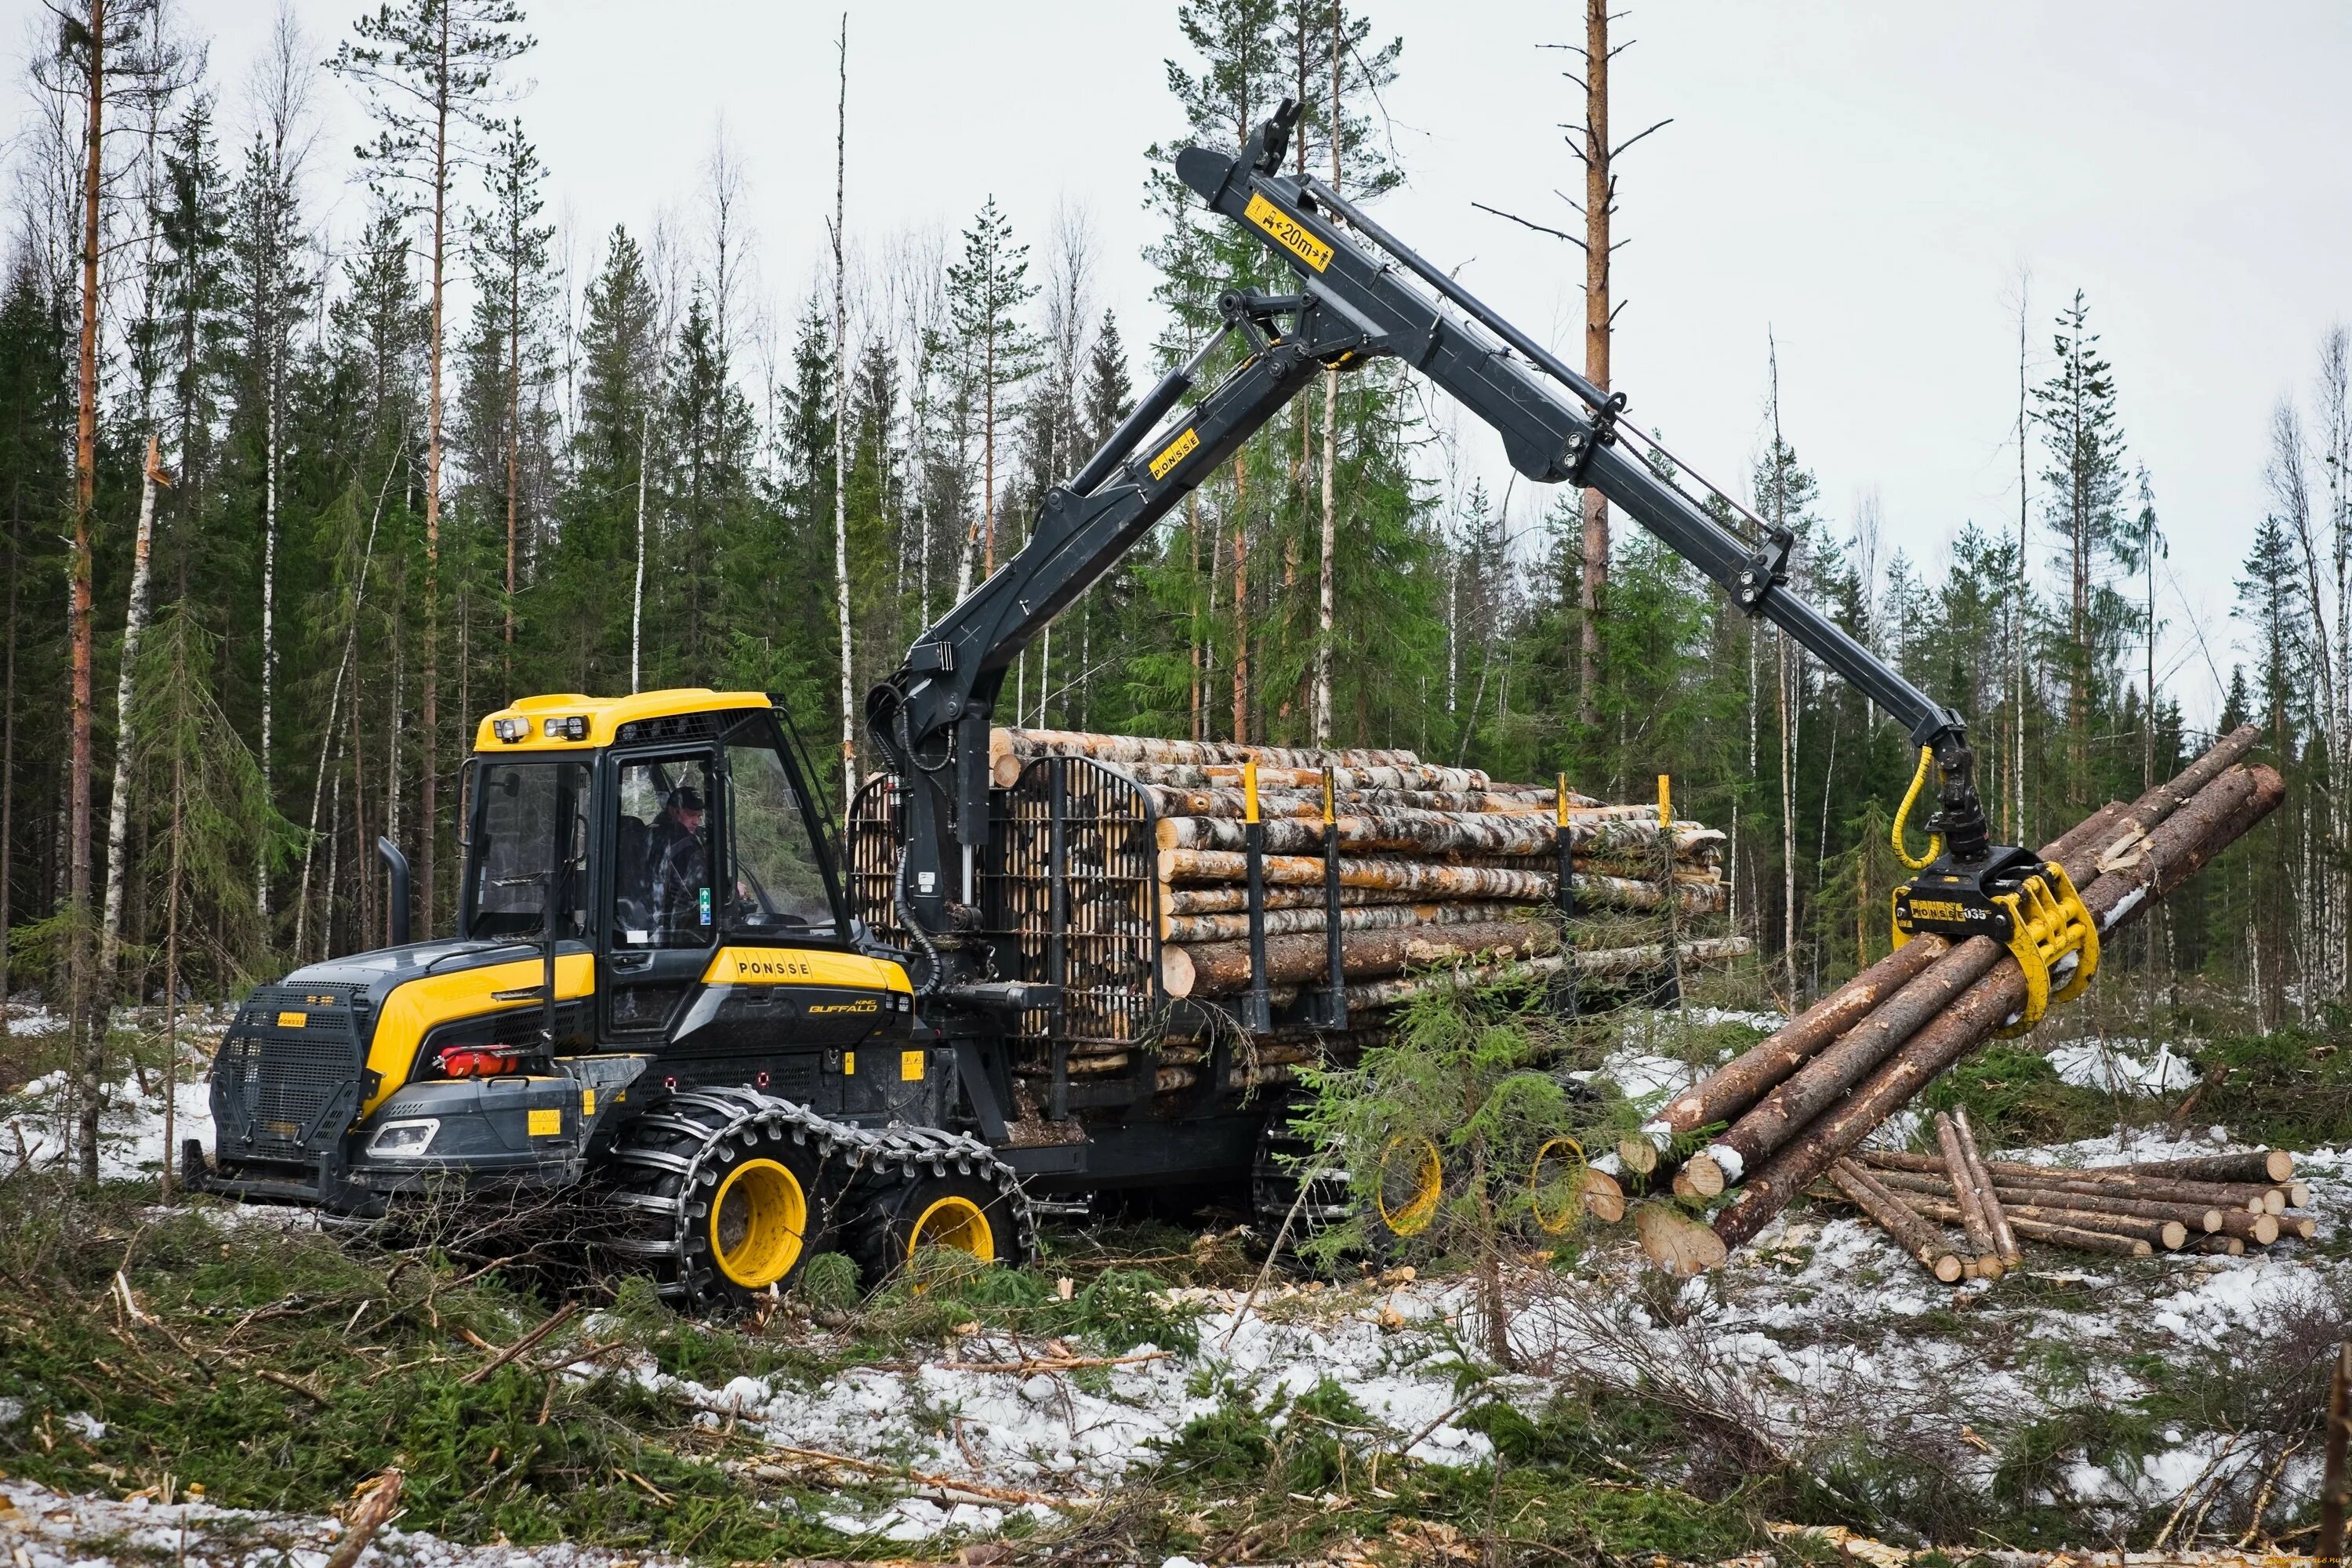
<point>729,1191</point>
<point>946,1207</point>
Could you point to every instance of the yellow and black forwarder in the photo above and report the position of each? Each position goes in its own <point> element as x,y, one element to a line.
<point>653,983</point>
<point>660,987</point>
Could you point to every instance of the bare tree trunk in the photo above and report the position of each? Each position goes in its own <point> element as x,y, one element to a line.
<point>1599,196</point>
<point>2017,610</point>
<point>514,455</point>
<point>1240,598</point>
<point>118,825</point>
<point>428,828</point>
<point>1193,535</point>
<point>90,1055</point>
<point>841,427</point>
<point>172,978</point>
<point>8,769</point>
<point>637,590</point>
<point>269,601</point>
<point>1325,583</point>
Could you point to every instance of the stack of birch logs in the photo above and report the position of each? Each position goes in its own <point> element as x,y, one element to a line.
<point>2219,1204</point>
<point>1798,1102</point>
<point>1437,866</point>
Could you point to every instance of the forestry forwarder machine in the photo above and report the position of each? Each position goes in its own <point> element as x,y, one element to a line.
<point>676,1013</point>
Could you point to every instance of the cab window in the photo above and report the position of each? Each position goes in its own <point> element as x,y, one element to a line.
<point>663,894</point>
<point>779,880</point>
<point>529,817</point>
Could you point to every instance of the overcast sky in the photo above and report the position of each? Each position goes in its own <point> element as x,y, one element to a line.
<point>1865,182</point>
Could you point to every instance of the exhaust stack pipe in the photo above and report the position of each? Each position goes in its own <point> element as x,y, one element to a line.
<point>397,864</point>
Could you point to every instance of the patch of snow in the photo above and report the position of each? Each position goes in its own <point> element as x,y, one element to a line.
<point>2111,1070</point>
<point>62,1529</point>
<point>1031,1431</point>
<point>131,1123</point>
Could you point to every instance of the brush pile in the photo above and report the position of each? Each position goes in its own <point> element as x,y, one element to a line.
<point>1788,1110</point>
<point>1435,866</point>
<point>2219,1204</point>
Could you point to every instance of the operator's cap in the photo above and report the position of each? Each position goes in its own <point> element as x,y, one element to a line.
<point>685,797</point>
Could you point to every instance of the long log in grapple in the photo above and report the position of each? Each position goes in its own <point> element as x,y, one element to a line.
<point>662,991</point>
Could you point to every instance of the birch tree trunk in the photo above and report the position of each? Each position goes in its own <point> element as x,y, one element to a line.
<point>134,624</point>
<point>841,424</point>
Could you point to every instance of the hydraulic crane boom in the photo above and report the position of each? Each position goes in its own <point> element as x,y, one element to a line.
<point>1354,304</point>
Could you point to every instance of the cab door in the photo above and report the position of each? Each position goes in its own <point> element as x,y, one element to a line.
<point>831,1022</point>
<point>661,914</point>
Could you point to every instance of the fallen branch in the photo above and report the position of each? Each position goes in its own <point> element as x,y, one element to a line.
<point>555,1320</point>
<point>379,1499</point>
<point>968,1491</point>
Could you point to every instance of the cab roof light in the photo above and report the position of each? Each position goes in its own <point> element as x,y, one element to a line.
<point>573,727</point>
<point>510,729</point>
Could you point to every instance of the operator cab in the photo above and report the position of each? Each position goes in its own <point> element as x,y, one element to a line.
<point>671,826</point>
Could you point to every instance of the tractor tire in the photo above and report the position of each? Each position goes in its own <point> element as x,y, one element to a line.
<point>726,1194</point>
<point>921,1189</point>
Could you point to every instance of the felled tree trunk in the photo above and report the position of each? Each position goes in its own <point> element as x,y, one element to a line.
<point>2149,865</point>
<point>1398,876</point>
<point>1741,1082</point>
<point>1911,1232</point>
<point>1222,968</point>
<point>2262,1166</point>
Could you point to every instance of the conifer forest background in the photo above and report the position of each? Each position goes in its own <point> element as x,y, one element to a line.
<point>410,467</point>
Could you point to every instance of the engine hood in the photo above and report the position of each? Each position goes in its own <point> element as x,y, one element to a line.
<point>379,970</point>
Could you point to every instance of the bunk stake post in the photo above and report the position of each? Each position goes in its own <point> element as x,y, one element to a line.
<point>1331,1010</point>
<point>1563,894</point>
<point>1057,925</point>
<point>1257,1005</point>
<point>1669,992</point>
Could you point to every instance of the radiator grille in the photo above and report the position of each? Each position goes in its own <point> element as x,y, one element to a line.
<point>285,1081</point>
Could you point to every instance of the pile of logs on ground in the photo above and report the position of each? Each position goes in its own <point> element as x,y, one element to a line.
<point>1798,1102</point>
<point>1436,866</point>
<point>2219,1204</point>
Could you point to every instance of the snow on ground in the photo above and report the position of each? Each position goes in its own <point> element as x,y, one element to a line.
<point>2120,1067</point>
<point>42,1529</point>
<point>35,1117</point>
<point>1071,1435</point>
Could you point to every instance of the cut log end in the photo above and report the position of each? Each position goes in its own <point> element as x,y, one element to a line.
<point>1603,1199</point>
<point>1676,1243</point>
<point>1947,1267</point>
<point>2175,1235</point>
<point>1705,1177</point>
<point>1637,1154</point>
<point>2265,1230</point>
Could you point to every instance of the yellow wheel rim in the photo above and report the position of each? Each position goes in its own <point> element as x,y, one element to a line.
<point>955,1223</point>
<point>1570,1152</point>
<point>1424,1186</point>
<point>757,1222</point>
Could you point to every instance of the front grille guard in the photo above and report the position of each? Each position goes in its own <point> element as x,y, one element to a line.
<point>288,1077</point>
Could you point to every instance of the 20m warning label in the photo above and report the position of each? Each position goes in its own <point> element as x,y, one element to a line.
<point>1288,232</point>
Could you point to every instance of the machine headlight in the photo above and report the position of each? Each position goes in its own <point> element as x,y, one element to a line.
<point>404,1140</point>
<point>573,727</point>
<point>510,729</point>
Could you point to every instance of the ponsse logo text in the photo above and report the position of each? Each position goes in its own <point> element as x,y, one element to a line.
<point>776,968</point>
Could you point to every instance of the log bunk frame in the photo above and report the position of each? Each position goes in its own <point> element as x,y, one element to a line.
<point>1070,908</point>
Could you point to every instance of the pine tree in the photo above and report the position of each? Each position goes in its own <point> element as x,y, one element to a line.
<point>995,353</point>
<point>2083,438</point>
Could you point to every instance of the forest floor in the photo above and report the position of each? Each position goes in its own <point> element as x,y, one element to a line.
<point>202,1383</point>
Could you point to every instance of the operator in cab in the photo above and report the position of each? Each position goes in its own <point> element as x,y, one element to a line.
<point>680,862</point>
